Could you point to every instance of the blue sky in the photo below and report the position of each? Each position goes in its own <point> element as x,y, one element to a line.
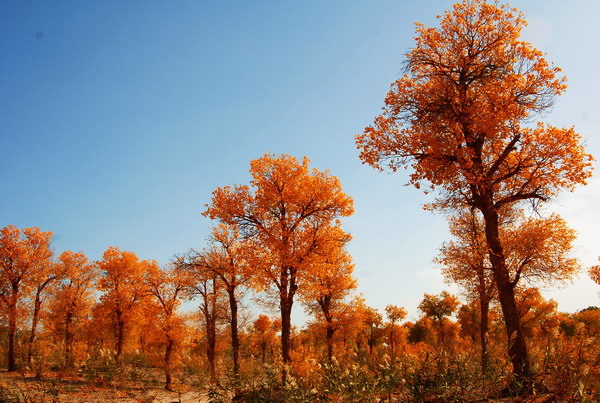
<point>118,120</point>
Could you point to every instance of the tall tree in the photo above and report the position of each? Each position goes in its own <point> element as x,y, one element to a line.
<point>168,287</point>
<point>73,297</point>
<point>46,273</point>
<point>123,285</point>
<point>465,261</point>
<point>205,283</point>
<point>460,118</point>
<point>394,314</point>
<point>22,254</point>
<point>227,257</point>
<point>327,285</point>
<point>373,327</point>
<point>537,251</point>
<point>437,308</point>
<point>289,216</point>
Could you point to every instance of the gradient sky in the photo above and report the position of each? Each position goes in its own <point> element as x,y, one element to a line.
<point>118,120</point>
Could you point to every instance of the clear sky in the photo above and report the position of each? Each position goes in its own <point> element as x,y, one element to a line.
<point>118,120</point>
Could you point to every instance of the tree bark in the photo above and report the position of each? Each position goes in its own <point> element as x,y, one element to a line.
<point>12,331</point>
<point>168,354</point>
<point>235,340</point>
<point>517,348</point>
<point>211,342</point>
<point>392,352</point>
<point>484,306</point>
<point>69,340</point>
<point>286,328</point>
<point>120,335</point>
<point>34,321</point>
<point>325,304</point>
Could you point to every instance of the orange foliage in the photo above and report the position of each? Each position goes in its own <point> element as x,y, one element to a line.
<point>168,287</point>
<point>123,286</point>
<point>23,254</point>
<point>290,216</point>
<point>72,299</point>
<point>460,118</point>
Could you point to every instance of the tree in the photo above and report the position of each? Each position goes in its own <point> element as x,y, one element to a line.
<point>327,285</point>
<point>73,297</point>
<point>227,258</point>
<point>537,250</point>
<point>289,216</point>
<point>123,283</point>
<point>373,327</point>
<point>460,118</point>
<point>46,273</point>
<point>205,283</point>
<point>168,287</point>
<point>263,330</point>
<point>22,254</point>
<point>465,261</point>
<point>437,308</point>
<point>394,314</point>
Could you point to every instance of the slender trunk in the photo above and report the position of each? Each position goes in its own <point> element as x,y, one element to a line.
<point>69,340</point>
<point>329,333</point>
<point>36,312</point>
<point>392,352</point>
<point>235,341</point>
<point>286,328</point>
<point>484,304</point>
<point>12,331</point>
<point>211,342</point>
<point>168,353</point>
<point>517,349</point>
<point>263,347</point>
<point>120,334</point>
<point>325,304</point>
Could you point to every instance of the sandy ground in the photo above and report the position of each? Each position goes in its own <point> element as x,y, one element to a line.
<point>23,387</point>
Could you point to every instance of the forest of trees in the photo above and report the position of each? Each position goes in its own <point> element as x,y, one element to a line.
<point>461,120</point>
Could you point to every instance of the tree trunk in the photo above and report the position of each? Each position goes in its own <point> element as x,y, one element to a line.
<point>325,304</point>
<point>12,331</point>
<point>69,341</point>
<point>36,312</point>
<point>484,305</point>
<point>286,328</point>
<point>329,333</point>
<point>517,349</point>
<point>392,352</point>
<point>120,335</point>
<point>235,340</point>
<point>211,342</point>
<point>168,353</point>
